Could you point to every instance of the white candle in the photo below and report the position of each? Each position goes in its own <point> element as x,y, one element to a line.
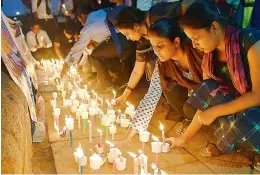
<point>63,94</point>
<point>135,162</point>
<point>95,162</point>
<point>78,115</point>
<point>162,129</point>
<point>80,158</point>
<point>69,121</point>
<point>156,145</point>
<point>53,103</point>
<point>55,95</point>
<point>100,134</point>
<point>112,130</point>
<point>84,115</point>
<point>130,110</point>
<point>56,111</point>
<point>143,161</point>
<point>120,163</point>
<point>144,136</point>
<point>90,131</point>
<point>124,122</point>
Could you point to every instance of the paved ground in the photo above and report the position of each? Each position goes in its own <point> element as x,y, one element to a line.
<point>178,161</point>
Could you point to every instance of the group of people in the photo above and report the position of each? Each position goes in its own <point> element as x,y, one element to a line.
<point>204,64</point>
<point>193,52</point>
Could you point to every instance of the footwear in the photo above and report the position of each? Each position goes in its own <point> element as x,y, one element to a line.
<point>181,127</point>
<point>210,150</point>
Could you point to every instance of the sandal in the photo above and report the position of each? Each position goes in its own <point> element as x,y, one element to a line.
<point>210,150</point>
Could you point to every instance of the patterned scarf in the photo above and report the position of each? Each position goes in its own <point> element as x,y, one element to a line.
<point>234,61</point>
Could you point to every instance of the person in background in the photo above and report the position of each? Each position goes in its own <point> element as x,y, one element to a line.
<point>63,43</point>
<point>95,29</point>
<point>39,42</point>
<point>229,96</point>
<point>42,11</point>
<point>64,13</point>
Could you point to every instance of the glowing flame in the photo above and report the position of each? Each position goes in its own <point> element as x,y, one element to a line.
<point>89,121</point>
<point>163,173</point>
<point>110,144</point>
<point>128,104</point>
<point>99,130</point>
<point>154,166</point>
<point>114,93</point>
<point>155,138</point>
<point>161,126</point>
<point>132,154</point>
<point>79,152</point>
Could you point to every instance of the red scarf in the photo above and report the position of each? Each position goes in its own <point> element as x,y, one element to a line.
<point>234,61</point>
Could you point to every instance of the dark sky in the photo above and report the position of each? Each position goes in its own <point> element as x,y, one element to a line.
<point>10,7</point>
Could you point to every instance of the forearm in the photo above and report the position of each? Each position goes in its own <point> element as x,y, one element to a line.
<point>246,101</point>
<point>134,79</point>
<point>192,129</point>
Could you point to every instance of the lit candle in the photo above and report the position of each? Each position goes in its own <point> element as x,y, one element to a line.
<point>84,118</point>
<point>55,95</point>
<point>155,168</point>
<point>69,121</point>
<point>113,101</point>
<point>112,130</point>
<point>63,93</point>
<point>53,103</point>
<point>100,134</point>
<point>90,131</point>
<point>143,161</point>
<point>95,162</point>
<point>120,163</point>
<point>78,115</point>
<point>108,105</point>
<point>106,121</point>
<point>162,129</point>
<point>80,158</point>
<point>156,148</point>
<point>130,110</point>
<point>144,138</point>
<point>42,43</point>
<point>135,162</point>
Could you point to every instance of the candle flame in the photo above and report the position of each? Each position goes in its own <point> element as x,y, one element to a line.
<point>161,126</point>
<point>110,144</point>
<point>108,102</point>
<point>132,154</point>
<point>155,138</point>
<point>114,93</point>
<point>89,121</point>
<point>140,151</point>
<point>127,103</point>
<point>63,5</point>
<point>154,166</point>
<point>79,152</point>
<point>163,173</point>
<point>119,110</point>
<point>99,130</point>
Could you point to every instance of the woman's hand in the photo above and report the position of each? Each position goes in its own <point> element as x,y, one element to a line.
<point>208,116</point>
<point>121,99</point>
<point>175,142</point>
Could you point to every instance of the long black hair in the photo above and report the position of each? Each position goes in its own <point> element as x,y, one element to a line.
<point>168,28</point>
<point>128,17</point>
<point>202,13</point>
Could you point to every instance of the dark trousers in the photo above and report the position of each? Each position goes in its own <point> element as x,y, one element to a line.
<point>177,97</point>
<point>106,61</point>
<point>50,26</point>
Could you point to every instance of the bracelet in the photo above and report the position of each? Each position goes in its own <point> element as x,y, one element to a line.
<point>129,88</point>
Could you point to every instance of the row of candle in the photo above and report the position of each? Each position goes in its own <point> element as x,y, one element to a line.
<point>90,107</point>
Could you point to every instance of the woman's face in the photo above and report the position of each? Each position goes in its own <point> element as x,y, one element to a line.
<point>131,34</point>
<point>164,48</point>
<point>205,40</point>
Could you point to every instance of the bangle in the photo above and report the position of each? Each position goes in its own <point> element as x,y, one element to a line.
<point>129,88</point>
